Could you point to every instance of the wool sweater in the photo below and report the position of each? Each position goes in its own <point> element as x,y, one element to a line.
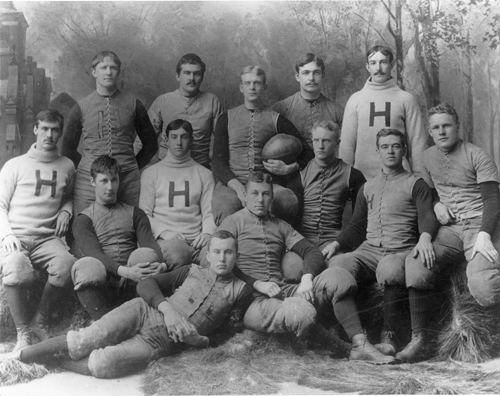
<point>377,106</point>
<point>176,195</point>
<point>34,188</point>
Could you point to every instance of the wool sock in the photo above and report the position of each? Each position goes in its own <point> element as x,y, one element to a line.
<point>18,305</point>
<point>346,312</point>
<point>422,304</point>
<point>44,350</point>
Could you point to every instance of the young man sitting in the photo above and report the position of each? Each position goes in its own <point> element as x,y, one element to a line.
<point>107,236</point>
<point>176,195</point>
<point>35,212</point>
<point>183,306</point>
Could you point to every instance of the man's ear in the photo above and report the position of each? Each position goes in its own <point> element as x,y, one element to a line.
<point>92,181</point>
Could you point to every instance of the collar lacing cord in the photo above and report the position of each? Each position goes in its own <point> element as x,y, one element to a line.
<point>108,124</point>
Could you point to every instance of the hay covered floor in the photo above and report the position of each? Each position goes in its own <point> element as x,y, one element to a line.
<point>250,363</point>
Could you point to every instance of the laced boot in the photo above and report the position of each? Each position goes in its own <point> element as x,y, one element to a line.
<point>24,339</point>
<point>39,327</point>
<point>362,349</point>
<point>387,344</point>
<point>416,350</point>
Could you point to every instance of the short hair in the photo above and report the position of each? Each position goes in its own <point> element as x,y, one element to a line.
<point>190,59</point>
<point>222,234</point>
<point>104,164</point>
<point>50,115</point>
<point>259,177</point>
<point>308,58</point>
<point>106,54</point>
<point>178,124</point>
<point>259,71</point>
<point>444,108</point>
<point>329,125</point>
<point>382,49</point>
<point>391,131</point>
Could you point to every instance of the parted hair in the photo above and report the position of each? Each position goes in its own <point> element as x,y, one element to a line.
<point>104,164</point>
<point>190,59</point>
<point>222,234</point>
<point>308,58</point>
<point>50,115</point>
<point>382,49</point>
<point>391,131</point>
<point>106,54</point>
<point>444,108</point>
<point>259,177</point>
<point>259,71</point>
<point>178,124</point>
<point>329,125</point>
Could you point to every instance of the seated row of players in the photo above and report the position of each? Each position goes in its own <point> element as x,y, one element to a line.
<point>392,207</point>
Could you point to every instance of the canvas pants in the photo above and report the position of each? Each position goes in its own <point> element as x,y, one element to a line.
<point>123,341</point>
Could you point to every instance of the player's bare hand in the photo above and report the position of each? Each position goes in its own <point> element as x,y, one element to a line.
<point>425,250</point>
<point>200,241</point>
<point>484,246</point>
<point>305,288</point>
<point>443,214</point>
<point>11,244</point>
<point>330,250</point>
<point>270,289</point>
<point>238,188</point>
<point>279,168</point>
<point>137,272</point>
<point>178,326</point>
<point>62,223</point>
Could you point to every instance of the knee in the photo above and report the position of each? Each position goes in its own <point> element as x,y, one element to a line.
<point>292,266</point>
<point>88,272</point>
<point>176,252</point>
<point>390,272</point>
<point>225,202</point>
<point>418,275</point>
<point>99,364</point>
<point>17,270</point>
<point>337,283</point>
<point>59,270</point>
<point>142,255</point>
<point>483,278</point>
<point>299,314</point>
<point>285,204</point>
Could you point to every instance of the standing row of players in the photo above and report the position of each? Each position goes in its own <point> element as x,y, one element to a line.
<point>394,236</point>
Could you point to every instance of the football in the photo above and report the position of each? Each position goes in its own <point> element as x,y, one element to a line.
<point>282,147</point>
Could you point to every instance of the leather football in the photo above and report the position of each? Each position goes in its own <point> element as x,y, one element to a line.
<point>282,147</point>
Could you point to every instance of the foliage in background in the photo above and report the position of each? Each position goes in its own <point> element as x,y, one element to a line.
<point>446,50</point>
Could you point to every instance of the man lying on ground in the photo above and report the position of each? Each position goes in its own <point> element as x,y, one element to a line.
<point>183,306</point>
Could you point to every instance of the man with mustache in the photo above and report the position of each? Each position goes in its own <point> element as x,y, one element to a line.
<point>35,212</point>
<point>107,122</point>
<point>189,103</point>
<point>381,104</point>
<point>309,105</point>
